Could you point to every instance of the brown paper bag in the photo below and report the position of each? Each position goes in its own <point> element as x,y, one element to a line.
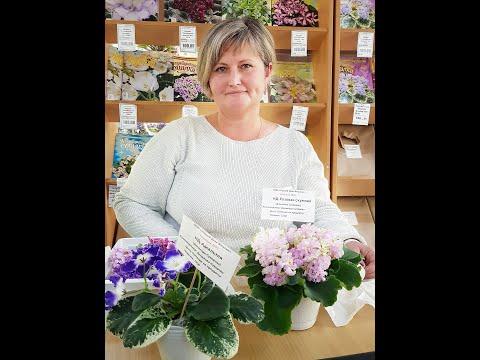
<point>360,135</point>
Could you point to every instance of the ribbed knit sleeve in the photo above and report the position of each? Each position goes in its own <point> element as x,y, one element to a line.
<point>140,204</point>
<point>311,177</point>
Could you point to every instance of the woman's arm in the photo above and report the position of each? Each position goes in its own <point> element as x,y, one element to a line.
<point>140,204</point>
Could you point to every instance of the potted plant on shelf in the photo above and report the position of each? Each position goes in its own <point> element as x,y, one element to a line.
<point>293,272</point>
<point>172,302</point>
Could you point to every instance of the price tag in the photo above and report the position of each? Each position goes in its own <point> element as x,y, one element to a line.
<point>112,191</point>
<point>211,257</point>
<point>287,204</point>
<point>298,121</point>
<point>299,43</point>
<point>365,44</point>
<point>128,116</point>
<point>361,113</point>
<point>188,39</point>
<point>126,37</point>
<point>351,217</point>
<point>121,182</point>
<point>189,110</point>
<point>353,151</point>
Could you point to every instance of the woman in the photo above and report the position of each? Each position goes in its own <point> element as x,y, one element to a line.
<point>213,168</point>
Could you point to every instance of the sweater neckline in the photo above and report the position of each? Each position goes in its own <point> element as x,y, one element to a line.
<point>220,135</point>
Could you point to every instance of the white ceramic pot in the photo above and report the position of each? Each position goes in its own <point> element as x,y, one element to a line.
<point>174,345</point>
<point>304,315</point>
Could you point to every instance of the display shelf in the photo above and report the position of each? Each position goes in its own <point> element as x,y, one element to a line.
<point>320,50</point>
<point>345,42</point>
<point>167,33</point>
<point>154,111</point>
<point>349,37</point>
<point>345,114</point>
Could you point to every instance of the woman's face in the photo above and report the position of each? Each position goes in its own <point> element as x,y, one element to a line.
<point>239,79</point>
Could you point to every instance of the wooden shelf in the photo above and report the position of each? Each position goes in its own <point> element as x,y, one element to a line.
<point>154,111</point>
<point>110,181</point>
<point>349,37</point>
<point>167,33</point>
<point>355,186</point>
<point>345,113</point>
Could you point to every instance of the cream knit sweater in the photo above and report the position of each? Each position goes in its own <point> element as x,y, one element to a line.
<point>190,168</point>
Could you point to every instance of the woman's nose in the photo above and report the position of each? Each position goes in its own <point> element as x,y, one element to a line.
<point>234,78</point>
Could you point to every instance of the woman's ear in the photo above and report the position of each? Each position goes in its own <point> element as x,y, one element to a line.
<point>268,70</point>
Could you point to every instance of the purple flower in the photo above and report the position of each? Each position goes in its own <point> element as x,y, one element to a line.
<point>308,248</point>
<point>294,13</point>
<point>136,10</point>
<point>112,298</point>
<point>174,261</point>
<point>195,9</point>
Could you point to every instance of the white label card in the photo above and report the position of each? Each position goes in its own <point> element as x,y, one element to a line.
<point>215,260</point>
<point>188,39</point>
<point>288,204</point>
<point>299,43</point>
<point>361,113</point>
<point>121,181</point>
<point>352,151</point>
<point>365,44</point>
<point>298,121</point>
<point>189,110</point>
<point>128,116</point>
<point>112,191</point>
<point>351,217</point>
<point>126,37</point>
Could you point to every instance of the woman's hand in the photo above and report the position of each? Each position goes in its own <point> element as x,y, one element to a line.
<point>368,253</point>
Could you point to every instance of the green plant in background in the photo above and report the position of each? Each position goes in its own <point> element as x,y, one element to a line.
<point>257,9</point>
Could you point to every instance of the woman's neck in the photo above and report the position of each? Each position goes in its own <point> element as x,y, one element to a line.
<point>240,127</point>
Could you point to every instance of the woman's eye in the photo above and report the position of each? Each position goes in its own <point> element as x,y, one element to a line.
<point>246,66</point>
<point>221,69</point>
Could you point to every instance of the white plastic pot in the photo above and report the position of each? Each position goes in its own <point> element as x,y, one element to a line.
<point>174,345</point>
<point>304,315</point>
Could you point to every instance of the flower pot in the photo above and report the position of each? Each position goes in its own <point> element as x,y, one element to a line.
<point>304,315</point>
<point>174,345</point>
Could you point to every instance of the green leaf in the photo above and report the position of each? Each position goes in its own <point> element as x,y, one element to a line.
<point>296,279</point>
<point>217,338</point>
<point>206,287</point>
<point>279,302</point>
<point>324,292</point>
<point>348,274</point>
<point>246,250</point>
<point>147,329</point>
<point>215,304</point>
<point>121,316</point>
<point>246,309</point>
<point>145,300</point>
<point>351,255</point>
<point>186,279</point>
<point>250,270</point>
<point>256,280</point>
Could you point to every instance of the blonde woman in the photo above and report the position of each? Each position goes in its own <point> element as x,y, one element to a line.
<point>214,168</point>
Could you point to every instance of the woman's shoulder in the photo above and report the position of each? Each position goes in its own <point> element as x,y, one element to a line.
<point>293,135</point>
<point>189,123</point>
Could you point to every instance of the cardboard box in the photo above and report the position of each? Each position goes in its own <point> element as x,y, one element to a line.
<point>359,205</point>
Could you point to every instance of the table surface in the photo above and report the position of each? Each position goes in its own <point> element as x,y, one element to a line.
<point>323,340</point>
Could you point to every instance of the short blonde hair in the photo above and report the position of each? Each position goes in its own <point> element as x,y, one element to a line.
<point>235,32</point>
